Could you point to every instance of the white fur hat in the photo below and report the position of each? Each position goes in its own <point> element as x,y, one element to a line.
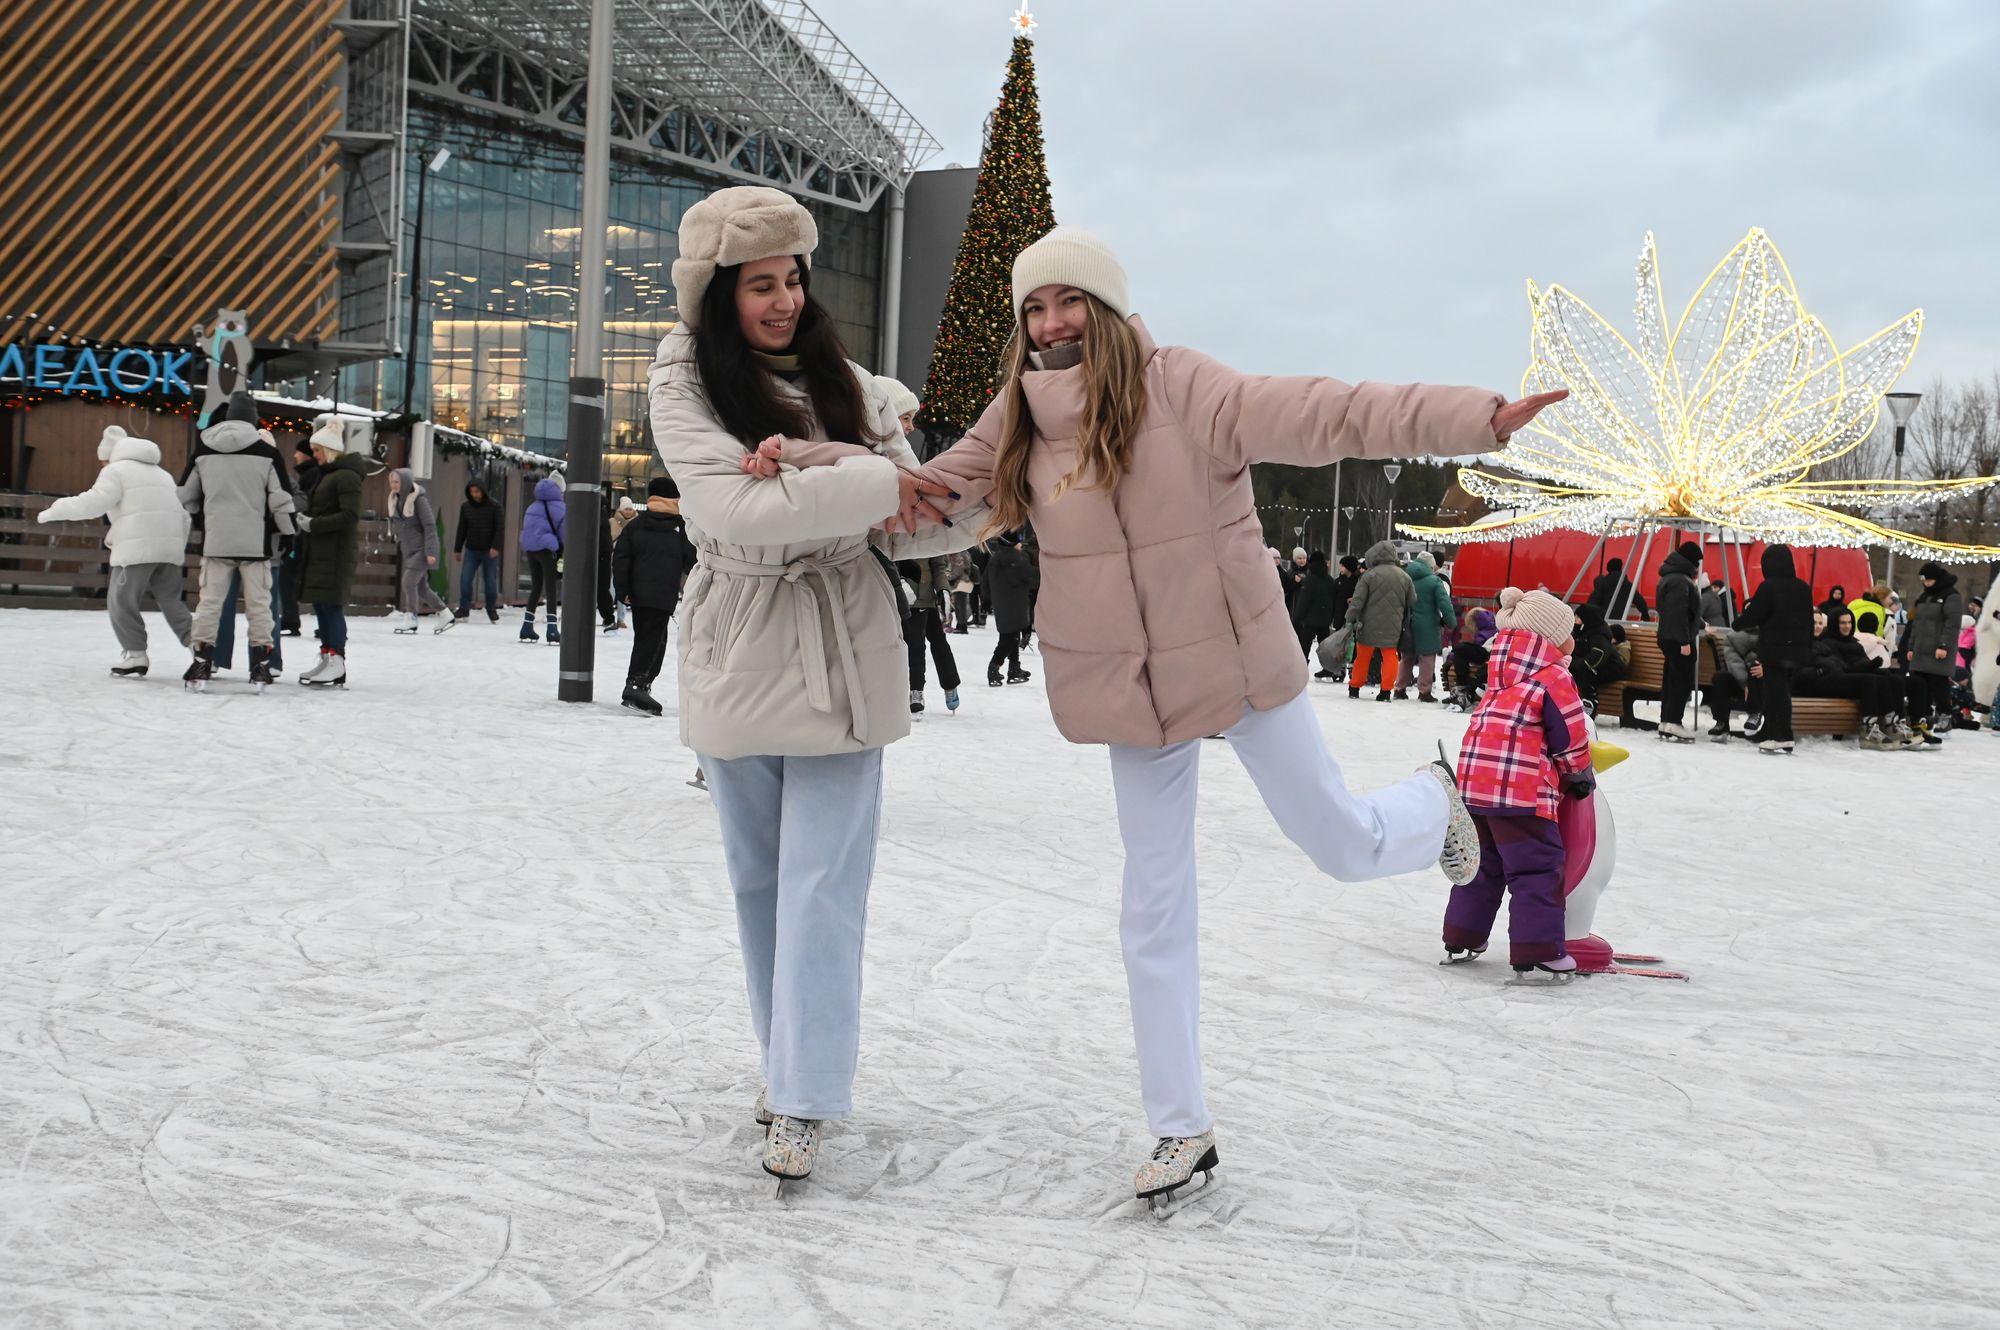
<point>732,227</point>
<point>1072,256</point>
<point>1539,612</point>
<point>901,400</point>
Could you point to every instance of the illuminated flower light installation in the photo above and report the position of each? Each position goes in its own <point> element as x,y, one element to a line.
<point>1717,420</point>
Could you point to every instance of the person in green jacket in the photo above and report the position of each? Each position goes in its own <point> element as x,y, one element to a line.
<point>332,526</point>
<point>1382,602</point>
<point>1430,615</point>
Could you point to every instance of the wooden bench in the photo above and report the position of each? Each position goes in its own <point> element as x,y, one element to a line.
<point>1644,677</point>
<point>1837,716</point>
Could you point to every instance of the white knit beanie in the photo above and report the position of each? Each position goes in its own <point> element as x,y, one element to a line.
<point>329,435</point>
<point>1072,256</point>
<point>1539,612</point>
<point>732,227</point>
<point>113,436</point>
<point>901,400</point>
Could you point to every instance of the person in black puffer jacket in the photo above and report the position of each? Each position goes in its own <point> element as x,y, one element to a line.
<point>1343,588</point>
<point>1595,661</point>
<point>480,525</point>
<point>1313,608</point>
<point>652,558</point>
<point>1841,667</point>
<point>1679,632</point>
<point>1613,589</point>
<point>1932,642</point>
<point>1780,614</point>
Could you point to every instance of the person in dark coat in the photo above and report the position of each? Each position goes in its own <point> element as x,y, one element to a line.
<point>1011,579</point>
<point>1841,667</point>
<point>481,523</point>
<point>1609,591</point>
<point>1932,643</point>
<point>332,526</point>
<point>650,561</point>
<point>1835,602</point>
<point>292,566</point>
<point>1680,630</point>
<point>1343,588</point>
<point>925,624</point>
<point>1595,661</point>
<point>1313,608</point>
<point>1718,606</point>
<point>1780,614</point>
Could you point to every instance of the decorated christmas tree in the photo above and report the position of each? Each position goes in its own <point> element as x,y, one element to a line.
<point>1010,210</point>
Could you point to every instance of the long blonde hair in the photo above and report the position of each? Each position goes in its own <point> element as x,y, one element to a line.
<point>1114,407</point>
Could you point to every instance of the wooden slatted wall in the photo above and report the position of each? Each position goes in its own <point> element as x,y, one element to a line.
<point>162,159</point>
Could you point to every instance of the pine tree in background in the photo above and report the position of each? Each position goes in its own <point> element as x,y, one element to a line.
<point>1010,211</point>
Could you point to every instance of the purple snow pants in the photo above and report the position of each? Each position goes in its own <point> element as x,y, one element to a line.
<point>1521,857</point>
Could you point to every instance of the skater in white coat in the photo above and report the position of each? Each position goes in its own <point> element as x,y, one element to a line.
<point>1161,622</point>
<point>148,541</point>
<point>791,654</point>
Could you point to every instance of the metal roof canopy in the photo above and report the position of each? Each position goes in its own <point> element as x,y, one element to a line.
<point>758,90</point>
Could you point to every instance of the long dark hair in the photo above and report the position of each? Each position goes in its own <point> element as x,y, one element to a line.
<point>741,389</point>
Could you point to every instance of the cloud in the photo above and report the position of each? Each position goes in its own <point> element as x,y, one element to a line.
<point>1361,189</point>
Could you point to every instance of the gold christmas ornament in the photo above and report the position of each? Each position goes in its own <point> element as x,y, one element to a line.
<point>1718,419</point>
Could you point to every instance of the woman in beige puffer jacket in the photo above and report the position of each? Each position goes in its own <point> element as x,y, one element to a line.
<point>1161,623</point>
<point>791,656</point>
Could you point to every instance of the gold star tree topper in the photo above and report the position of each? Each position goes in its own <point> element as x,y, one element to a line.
<point>1720,418</point>
<point>1023,22</point>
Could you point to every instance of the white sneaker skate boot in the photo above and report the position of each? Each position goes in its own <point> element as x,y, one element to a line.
<point>1460,859</point>
<point>1175,1161</point>
<point>764,1115</point>
<point>791,1147</point>
<point>131,665</point>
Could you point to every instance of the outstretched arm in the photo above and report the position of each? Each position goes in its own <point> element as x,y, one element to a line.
<point>93,502</point>
<point>1245,418</point>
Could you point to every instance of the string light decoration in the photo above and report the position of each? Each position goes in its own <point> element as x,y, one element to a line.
<point>1718,419</point>
<point>1010,211</point>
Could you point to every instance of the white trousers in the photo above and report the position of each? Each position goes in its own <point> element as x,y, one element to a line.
<point>1351,837</point>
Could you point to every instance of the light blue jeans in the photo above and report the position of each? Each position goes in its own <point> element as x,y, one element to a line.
<point>799,836</point>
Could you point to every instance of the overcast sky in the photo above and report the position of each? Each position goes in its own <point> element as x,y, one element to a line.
<point>1363,189</point>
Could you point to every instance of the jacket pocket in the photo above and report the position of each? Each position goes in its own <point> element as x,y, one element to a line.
<point>726,602</point>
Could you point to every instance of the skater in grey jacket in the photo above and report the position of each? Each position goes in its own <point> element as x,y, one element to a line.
<point>148,540</point>
<point>237,487</point>
<point>413,521</point>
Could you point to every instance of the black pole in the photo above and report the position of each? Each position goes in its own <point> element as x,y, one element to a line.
<point>583,529</point>
<point>416,284</point>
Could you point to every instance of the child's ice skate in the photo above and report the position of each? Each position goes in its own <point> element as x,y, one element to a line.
<point>1460,955</point>
<point>1163,1181</point>
<point>1544,974</point>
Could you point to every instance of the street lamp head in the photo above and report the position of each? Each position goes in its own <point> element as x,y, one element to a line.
<point>438,160</point>
<point>1901,406</point>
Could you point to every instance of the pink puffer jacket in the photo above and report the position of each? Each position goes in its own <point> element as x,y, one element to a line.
<point>1159,614</point>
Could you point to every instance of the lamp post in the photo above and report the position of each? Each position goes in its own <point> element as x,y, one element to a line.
<point>435,162</point>
<point>1333,550</point>
<point>583,524</point>
<point>1391,471</point>
<point>1901,407</point>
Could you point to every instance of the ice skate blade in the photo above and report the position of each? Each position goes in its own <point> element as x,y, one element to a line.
<point>1166,1204</point>
<point>1560,979</point>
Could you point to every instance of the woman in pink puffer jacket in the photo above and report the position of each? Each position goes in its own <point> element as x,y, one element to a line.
<point>1160,622</point>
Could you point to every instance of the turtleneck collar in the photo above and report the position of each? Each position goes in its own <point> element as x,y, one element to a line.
<point>1061,357</point>
<point>789,366</point>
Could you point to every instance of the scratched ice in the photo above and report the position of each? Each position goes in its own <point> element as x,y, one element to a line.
<point>421,1005</point>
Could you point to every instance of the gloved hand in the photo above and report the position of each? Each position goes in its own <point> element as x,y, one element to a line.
<point>1580,786</point>
<point>44,516</point>
<point>302,522</point>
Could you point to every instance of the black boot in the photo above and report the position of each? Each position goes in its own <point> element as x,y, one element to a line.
<point>260,667</point>
<point>993,679</point>
<point>639,697</point>
<point>201,669</point>
<point>1018,675</point>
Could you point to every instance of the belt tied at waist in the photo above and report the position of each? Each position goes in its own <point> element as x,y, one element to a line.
<point>810,575</point>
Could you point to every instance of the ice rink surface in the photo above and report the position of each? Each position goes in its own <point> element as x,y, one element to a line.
<point>419,1005</point>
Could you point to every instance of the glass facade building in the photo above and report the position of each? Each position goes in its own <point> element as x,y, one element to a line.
<point>496,282</point>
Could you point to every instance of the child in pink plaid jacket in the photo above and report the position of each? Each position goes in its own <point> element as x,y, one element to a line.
<point>1528,744</point>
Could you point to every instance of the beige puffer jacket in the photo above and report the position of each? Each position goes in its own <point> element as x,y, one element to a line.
<point>1158,616</point>
<point>791,643</point>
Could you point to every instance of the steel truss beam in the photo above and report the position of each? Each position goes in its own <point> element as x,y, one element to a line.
<point>757,90</point>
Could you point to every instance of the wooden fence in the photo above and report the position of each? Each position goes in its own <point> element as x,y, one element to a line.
<point>65,566</point>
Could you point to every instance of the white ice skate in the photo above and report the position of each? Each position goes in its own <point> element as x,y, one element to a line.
<point>331,672</point>
<point>409,628</point>
<point>1163,1181</point>
<point>1460,859</point>
<point>790,1148</point>
<point>1545,974</point>
<point>131,665</point>
<point>764,1115</point>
